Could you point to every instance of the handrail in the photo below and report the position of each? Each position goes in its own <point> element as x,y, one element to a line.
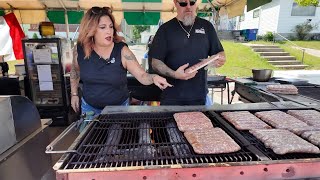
<point>300,48</point>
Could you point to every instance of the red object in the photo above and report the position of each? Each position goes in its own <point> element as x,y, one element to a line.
<point>287,169</point>
<point>16,34</point>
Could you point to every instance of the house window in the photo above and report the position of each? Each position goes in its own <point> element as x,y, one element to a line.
<point>241,18</point>
<point>256,13</point>
<point>302,10</point>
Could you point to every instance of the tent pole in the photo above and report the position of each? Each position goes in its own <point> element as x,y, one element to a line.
<point>65,17</point>
<point>67,22</point>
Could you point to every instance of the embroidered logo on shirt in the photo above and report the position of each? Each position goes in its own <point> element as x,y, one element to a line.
<point>200,31</point>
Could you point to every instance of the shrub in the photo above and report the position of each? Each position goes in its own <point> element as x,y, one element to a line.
<point>292,38</point>
<point>268,36</point>
<point>303,29</point>
<point>259,37</point>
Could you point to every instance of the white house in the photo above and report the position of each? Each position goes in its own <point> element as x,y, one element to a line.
<point>280,16</point>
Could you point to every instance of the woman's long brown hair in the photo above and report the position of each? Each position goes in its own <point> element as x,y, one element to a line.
<point>88,28</point>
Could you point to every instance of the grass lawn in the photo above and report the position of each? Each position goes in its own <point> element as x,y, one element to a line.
<point>240,60</point>
<point>312,61</point>
<point>307,44</point>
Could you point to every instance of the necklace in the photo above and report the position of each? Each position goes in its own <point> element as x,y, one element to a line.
<point>188,33</point>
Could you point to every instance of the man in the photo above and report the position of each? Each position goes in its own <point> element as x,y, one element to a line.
<point>182,42</point>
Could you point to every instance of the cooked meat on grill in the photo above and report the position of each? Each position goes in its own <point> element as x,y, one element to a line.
<point>144,150</point>
<point>244,120</point>
<point>192,121</point>
<point>211,141</point>
<point>311,117</point>
<point>312,136</point>
<point>282,141</point>
<point>280,120</point>
<point>113,138</point>
<point>180,148</point>
<point>282,89</point>
<point>144,133</point>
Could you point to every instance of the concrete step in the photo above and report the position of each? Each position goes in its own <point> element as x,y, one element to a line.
<point>291,66</point>
<point>268,50</point>
<point>274,53</point>
<point>293,62</point>
<point>276,58</point>
<point>264,46</point>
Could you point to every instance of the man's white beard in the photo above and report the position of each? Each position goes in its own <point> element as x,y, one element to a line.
<point>188,20</point>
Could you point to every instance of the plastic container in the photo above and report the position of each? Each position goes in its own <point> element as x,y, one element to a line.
<point>252,34</point>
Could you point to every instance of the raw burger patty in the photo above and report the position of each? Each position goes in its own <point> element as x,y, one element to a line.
<point>187,121</point>
<point>282,141</point>
<point>244,120</point>
<point>211,141</point>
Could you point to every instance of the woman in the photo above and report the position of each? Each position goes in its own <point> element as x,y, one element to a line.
<point>101,61</point>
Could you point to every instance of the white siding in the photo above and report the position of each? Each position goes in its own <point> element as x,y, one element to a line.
<point>269,17</point>
<point>288,22</point>
<point>267,20</point>
<point>249,22</point>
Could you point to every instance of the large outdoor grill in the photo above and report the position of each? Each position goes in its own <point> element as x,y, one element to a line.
<point>308,94</point>
<point>141,140</point>
<point>23,139</point>
<point>148,145</point>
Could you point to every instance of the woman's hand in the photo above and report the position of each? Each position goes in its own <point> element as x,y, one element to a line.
<point>160,82</point>
<point>75,103</point>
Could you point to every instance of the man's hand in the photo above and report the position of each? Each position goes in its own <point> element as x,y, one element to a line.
<point>220,61</point>
<point>180,74</point>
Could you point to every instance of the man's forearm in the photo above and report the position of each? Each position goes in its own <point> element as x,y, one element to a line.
<point>162,68</point>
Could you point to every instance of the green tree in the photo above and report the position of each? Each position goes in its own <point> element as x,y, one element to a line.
<point>307,2</point>
<point>137,30</point>
<point>35,36</point>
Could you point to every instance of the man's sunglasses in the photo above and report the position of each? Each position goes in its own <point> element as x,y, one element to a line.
<point>100,10</point>
<point>184,4</point>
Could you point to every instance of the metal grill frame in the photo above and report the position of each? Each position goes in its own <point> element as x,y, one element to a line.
<point>267,169</point>
<point>194,159</point>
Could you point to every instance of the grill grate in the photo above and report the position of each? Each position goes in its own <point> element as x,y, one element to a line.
<point>124,140</point>
<point>312,92</point>
<point>267,151</point>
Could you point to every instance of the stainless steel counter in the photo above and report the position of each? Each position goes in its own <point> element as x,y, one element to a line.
<point>27,159</point>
